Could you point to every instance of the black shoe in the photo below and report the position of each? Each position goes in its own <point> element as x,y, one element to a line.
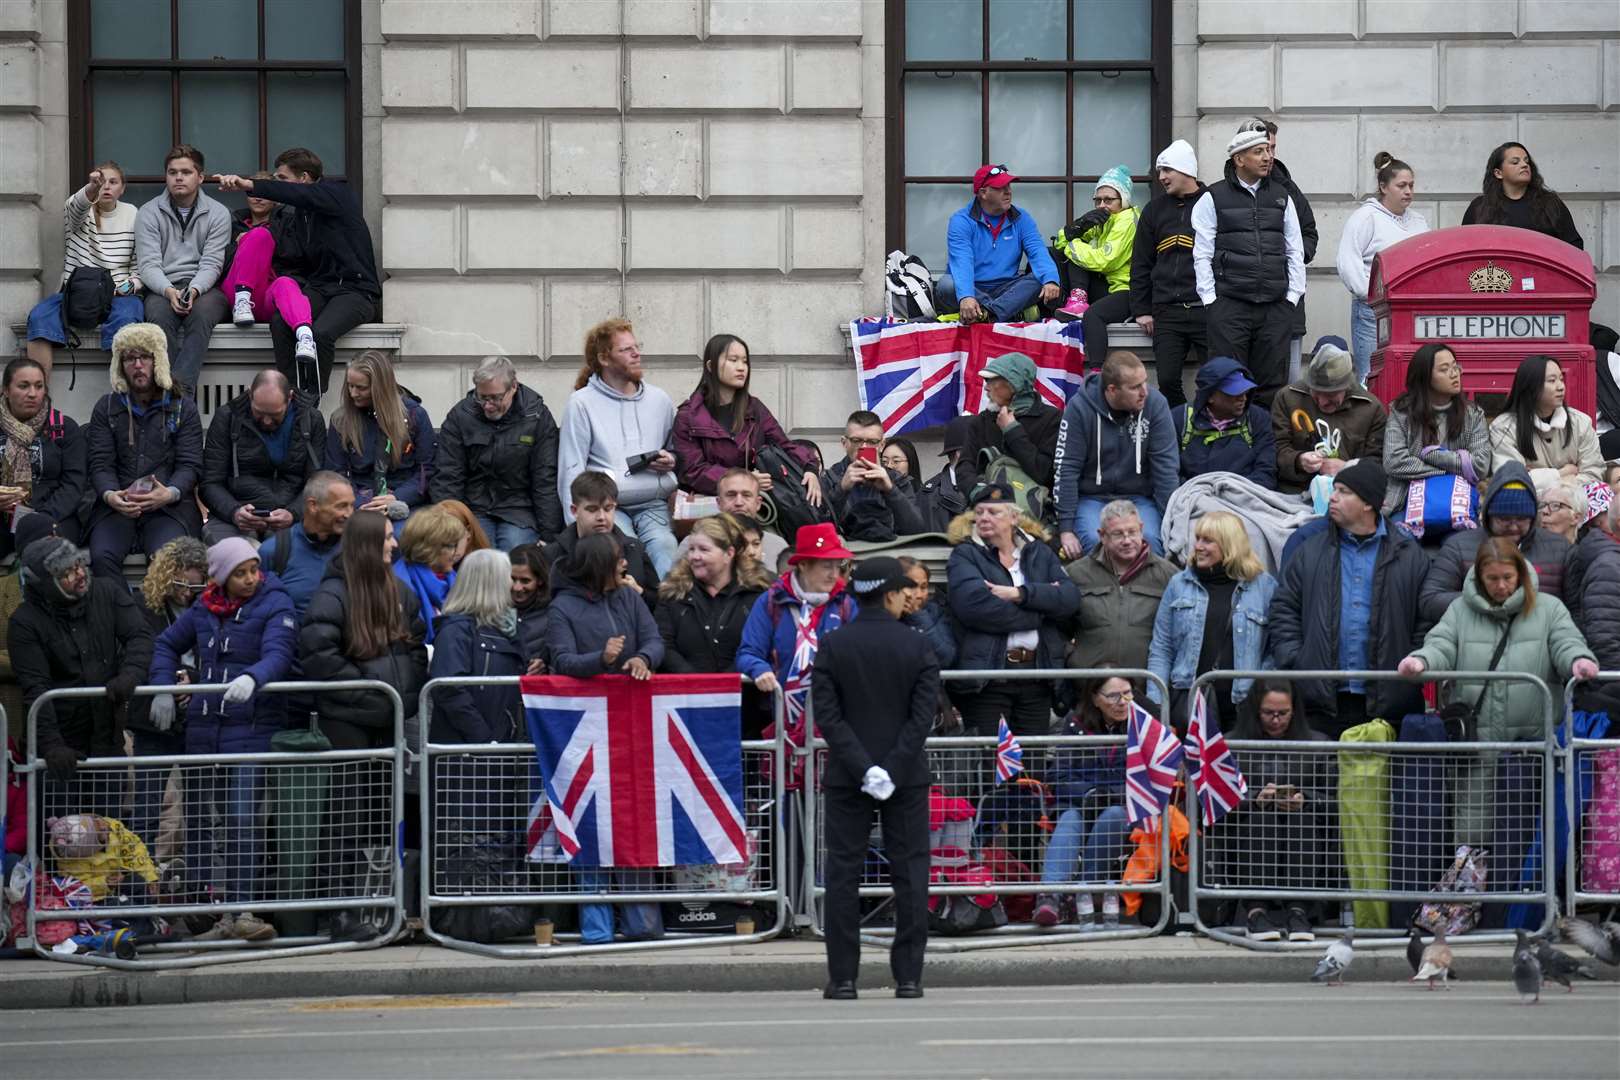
<point>1299,927</point>
<point>908,990</point>
<point>1261,928</point>
<point>348,926</point>
<point>840,991</point>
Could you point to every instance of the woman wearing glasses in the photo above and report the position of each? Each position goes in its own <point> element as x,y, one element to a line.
<point>1561,508</point>
<point>1099,242</point>
<point>1435,433</point>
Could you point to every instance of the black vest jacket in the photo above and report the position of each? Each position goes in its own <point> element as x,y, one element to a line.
<point>1251,255</point>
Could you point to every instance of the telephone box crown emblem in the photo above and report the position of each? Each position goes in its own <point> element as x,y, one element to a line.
<point>1490,278</point>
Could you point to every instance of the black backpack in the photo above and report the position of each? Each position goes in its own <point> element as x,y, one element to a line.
<point>87,296</point>
<point>784,507</point>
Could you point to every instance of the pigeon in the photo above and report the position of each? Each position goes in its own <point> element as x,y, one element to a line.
<point>1336,961</point>
<point>1436,962</point>
<point>1601,941</point>
<point>1414,949</point>
<point>1561,967</point>
<point>1526,971</point>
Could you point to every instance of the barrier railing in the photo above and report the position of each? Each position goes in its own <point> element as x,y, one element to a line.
<point>1013,823</point>
<point>478,851</point>
<point>285,833</point>
<point>1592,807</point>
<point>1378,825</point>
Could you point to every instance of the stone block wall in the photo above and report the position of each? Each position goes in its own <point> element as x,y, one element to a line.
<point>33,152</point>
<point>697,165</point>
<point>1437,83</point>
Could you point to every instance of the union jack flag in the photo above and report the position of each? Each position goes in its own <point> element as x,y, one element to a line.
<point>1009,755</point>
<point>921,375</point>
<point>1210,763</point>
<point>640,773</point>
<point>1152,760</point>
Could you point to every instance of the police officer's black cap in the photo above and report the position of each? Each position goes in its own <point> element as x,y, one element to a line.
<point>877,575</point>
<point>992,493</point>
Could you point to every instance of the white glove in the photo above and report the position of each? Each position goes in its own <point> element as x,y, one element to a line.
<point>162,714</point>
<point>877,784</point>
<point>241,688</point>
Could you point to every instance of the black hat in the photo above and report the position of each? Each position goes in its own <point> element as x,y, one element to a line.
<point>1368,480</point>
<point>992,492</point>
<point>877,575</point>
<point>956,433</point>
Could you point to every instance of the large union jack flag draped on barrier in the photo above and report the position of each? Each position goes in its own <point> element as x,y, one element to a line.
<point>1152,759</point>
<point>1211,765</point>
<point>920,375</point>
<point>640,773</point>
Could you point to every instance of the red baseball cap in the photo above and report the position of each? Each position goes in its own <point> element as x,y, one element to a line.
<point>992,176</point>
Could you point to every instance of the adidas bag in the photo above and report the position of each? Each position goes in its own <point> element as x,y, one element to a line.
<point>910,287</point>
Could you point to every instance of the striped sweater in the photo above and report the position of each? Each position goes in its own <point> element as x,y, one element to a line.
<point>111,246</point>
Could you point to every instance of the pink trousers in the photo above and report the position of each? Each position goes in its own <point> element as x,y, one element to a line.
<point>251,270</point>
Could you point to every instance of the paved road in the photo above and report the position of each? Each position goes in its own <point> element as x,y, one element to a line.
<point>1243,1031</point>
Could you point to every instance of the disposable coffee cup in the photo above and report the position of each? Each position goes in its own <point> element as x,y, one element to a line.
<point>745,924</point>
<point>542,932</point>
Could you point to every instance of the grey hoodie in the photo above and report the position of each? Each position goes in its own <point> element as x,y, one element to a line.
<point>1104,455</point>
<point>601,428</point>
<point>167,251</point>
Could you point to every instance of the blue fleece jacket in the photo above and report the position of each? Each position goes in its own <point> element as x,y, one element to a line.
<point>1103,454</point>
<point>977,256</point>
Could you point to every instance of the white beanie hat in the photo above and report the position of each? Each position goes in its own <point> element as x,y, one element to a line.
<point>1178,156</point>
<point>1250,133</point>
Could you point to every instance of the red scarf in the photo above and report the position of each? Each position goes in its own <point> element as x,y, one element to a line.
<point>215,600</point>
<point>1137,564</point>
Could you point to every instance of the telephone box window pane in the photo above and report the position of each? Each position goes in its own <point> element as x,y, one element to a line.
<point>1113,122</point>
<point>1026,123</point>
<point>129,29</point>
<point>944,30</point>
<point>219,30</point>
<point>219,115</point>
<point>928,214</point>
<point>303,29</point>
<point>132,122</point>
<point>1027,29</point>
<point>1113,29</point>
<point>942,124</point>
<point>307,109</point>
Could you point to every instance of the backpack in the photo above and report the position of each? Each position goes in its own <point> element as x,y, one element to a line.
<point>1002,468</point>
<point>910,287</point>
<point>87,296</point>
<point>784,507</point>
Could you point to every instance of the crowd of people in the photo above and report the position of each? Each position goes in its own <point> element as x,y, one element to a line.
<point>284,544</point>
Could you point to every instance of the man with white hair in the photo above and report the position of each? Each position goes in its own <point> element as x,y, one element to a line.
<point>1248,225</point>
<point>498,454</point>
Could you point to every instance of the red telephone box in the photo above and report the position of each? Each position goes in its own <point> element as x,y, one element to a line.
<point>1494,295</point>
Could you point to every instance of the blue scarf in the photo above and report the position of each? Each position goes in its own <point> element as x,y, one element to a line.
<point>429,587</point>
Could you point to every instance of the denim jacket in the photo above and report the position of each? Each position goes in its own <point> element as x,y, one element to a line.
<point>1178,631</point>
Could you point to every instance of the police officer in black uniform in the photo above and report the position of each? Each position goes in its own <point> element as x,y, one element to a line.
<point>874,691</point>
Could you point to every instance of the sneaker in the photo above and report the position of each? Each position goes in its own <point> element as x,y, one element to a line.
<point>222,930</point>
<point>1111,911</point>
<point>1260,927</point>
<point>1046,911</point>
<point>305,349</point>
<point>252,928</point>
<point>242,308</point>
<point>1299,927</point>
<point>1074,307</point>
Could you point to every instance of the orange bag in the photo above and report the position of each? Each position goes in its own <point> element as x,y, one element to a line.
<point>1143,865</point>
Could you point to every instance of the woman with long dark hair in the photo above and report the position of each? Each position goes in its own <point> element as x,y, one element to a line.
<point>1515,194</point>
<point>1433,430</point>
<point>598,626</point>
<point>1536,427</point>
<point>380,439</point>
<point>722,426</point>
<point>531,598</point>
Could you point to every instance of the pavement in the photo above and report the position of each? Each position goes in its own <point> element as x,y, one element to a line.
<point>796,965</point>
<point>1187,1029</point>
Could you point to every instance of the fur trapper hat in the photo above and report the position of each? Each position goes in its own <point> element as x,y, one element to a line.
<point>146,337</point>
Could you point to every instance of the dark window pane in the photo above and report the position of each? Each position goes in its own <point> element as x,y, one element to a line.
<point>219,30</point>
<point>1026,122</point>
<point>130,29</point>
<point>131,118</point>
<point>303,29</point>
<point>219,115</point>
<point>1113,29</point>
<point>943,124</point>
<point>306,109</point>
<point>1113,122</point>
<point>140,194</point>
<point>944,30</point>
<point>1028,29</point>
<point>928,213</point>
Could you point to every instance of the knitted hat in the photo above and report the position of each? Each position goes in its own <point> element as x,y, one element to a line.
<point>225,556</point>
<point>1330,370</point>
<point>1250,133</point>
<point>1367,479</point>
<point>1178,156</point>
<point>1118,178</point>
<point>1513,500</point>
<point>875,576</point>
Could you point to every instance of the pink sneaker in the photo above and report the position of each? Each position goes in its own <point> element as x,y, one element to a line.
<point>1074,307</point>
<point>1047,912</point>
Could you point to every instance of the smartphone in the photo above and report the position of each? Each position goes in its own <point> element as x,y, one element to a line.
<point>143,486</point>
<point>259,513</point>
<point>868,454</point>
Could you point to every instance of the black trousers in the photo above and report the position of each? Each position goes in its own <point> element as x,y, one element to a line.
<point>1113,308</point>
<point>334,312</point>
<point>1026,703</point>
<point>1179,331</point>
<point>1257,335</point>
<point>904,816</point>
<point>1349,711</point>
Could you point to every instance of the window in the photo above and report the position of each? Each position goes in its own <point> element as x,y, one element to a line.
<point>1058,90</point>
<point>241,80</point>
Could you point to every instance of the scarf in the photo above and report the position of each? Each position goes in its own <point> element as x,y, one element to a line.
<point>807,617</point>
<point>1138,564</point>
<point>17,465</point>
<point>215,600</point>
<point>430,588</point>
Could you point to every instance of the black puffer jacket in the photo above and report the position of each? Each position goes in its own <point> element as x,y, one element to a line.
<point>1596,562</point>
<point>165,440</point>
<point>237,469</point>
<point>505,469</point>
<point>140,709</point>
<point>59,467</point>
<point>701,632</point>
<point>323,650</point>
<point>1307,231</point>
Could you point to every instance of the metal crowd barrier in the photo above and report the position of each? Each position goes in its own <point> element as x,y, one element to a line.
<point>1011,820</point>
<point>1592,805</point>
<point>1377,824</point>
<point>478,851</point>
<point>281,833</point>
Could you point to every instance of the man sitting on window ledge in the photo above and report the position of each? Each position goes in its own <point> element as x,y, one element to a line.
<point>987,242</point>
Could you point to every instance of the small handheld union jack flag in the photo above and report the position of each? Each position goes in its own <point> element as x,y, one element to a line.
<point>1009,755</point>
<point>1212,765</point>
<point>1152,760</point>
